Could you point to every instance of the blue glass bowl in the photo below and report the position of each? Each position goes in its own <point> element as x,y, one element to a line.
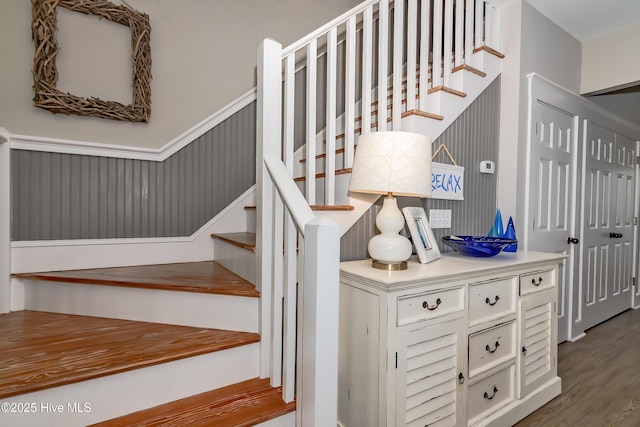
<point>478,246</point>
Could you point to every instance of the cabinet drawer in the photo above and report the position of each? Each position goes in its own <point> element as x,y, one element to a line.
<point>491,393</point>
<point>491,300</point>
<point>416,308</point>
<point>538,281</point>
<point>491,347</point>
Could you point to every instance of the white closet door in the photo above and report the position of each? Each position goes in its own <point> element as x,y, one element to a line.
<point>608,189</point>
<point>551,195</point>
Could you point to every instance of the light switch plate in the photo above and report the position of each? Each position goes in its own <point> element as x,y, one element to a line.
<point>440,218</point>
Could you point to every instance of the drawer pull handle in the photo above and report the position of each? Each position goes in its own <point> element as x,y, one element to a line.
<point>494,350</point>
<point>461,378</point>
<point>533,281</point>
<point>524,351</point>
<point>432,307</point>
<point>486,395</point>
<point>488,301</point>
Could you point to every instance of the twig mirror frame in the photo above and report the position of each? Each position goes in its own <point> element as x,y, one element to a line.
<point>45,74</point>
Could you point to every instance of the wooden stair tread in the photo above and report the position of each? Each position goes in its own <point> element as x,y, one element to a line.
<point>41,350</point>
<point>489,50</point>
<point>202,277</point>
<point>242,239</point>
<point>422,114</point>
<point>243,404</point>
<point>469,68</point>
<point>447,90</point>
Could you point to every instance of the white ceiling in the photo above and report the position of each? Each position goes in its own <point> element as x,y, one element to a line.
<point>588,19</point>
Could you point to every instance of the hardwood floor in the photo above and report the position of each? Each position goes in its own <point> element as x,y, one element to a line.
<point>600,378</point>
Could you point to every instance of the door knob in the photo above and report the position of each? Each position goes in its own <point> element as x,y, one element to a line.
<point>573,240</point>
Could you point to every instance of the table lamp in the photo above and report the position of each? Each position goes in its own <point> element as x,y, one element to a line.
<point>391,163</point>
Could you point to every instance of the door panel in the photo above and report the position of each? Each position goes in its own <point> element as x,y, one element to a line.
<point>607,229</point>
<point>551,193</point>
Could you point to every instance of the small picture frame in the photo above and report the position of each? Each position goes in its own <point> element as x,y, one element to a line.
<point>421,234</point>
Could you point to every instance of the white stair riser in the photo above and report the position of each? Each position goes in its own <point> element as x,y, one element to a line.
<point>320,164</point>
<point>251,220</point>
<point>341,186</point>
<point>288,420</point>
<point>148,305</point>
<point>120,394</point>
<point>236,259</point>
<point>464,80</point>
<point>486,62</point>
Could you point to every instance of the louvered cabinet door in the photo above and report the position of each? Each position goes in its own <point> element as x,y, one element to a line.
<point>430,376</point>
<point>537,345</point>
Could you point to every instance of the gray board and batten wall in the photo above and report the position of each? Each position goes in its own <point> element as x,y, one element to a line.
<point>68,196</point>
<point>471,138</point>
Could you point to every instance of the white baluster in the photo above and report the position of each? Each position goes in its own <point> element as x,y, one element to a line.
<point>448,43</point>
<point>330,127</point>
<point>312,75</point>
<point>367,59</point>
<point>383,58</point>
<point>412,50</point>
<point>350,92</point>
<point>398,49</point>
<point>425,50</point>
<point>436,68</point>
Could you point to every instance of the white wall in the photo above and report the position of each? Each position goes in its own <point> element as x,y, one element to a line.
<point>204,56</point>
<point>533,43</point>
<point>626,104</point>
<point>611,61</point>
<point>5,223</point>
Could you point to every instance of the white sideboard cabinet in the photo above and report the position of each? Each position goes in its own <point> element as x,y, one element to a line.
<point>460,341</point>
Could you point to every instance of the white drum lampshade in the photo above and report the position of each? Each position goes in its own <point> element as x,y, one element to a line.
<point>391,163</point>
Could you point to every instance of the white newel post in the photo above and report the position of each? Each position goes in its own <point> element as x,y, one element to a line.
<point>5,223</point>
<point>319,388</point>
<point>268,143</point>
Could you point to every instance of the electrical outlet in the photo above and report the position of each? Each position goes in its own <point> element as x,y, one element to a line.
<point>440,218</point>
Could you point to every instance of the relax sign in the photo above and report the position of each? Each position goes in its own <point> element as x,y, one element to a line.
<point>447,181</point>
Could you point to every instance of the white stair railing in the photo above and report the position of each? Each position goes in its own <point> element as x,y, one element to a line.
<point>359,74</point>
<point>370,66</point>
<point>298,263</point>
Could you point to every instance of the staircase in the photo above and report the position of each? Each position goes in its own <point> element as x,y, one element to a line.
<point>222,342</point>
<point>182,338</point>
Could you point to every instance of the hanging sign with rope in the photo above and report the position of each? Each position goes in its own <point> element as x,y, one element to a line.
<point>447,180</point>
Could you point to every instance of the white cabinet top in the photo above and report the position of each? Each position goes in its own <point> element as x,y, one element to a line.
<point>452,266</point>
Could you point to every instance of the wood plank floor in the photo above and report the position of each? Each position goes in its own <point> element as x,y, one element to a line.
<point>600,378</point>
<point>244,404</point>
<point>203,277</point>
<point>40,350</point>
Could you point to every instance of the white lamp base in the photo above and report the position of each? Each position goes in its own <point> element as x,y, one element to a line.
<point>390,250</point>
